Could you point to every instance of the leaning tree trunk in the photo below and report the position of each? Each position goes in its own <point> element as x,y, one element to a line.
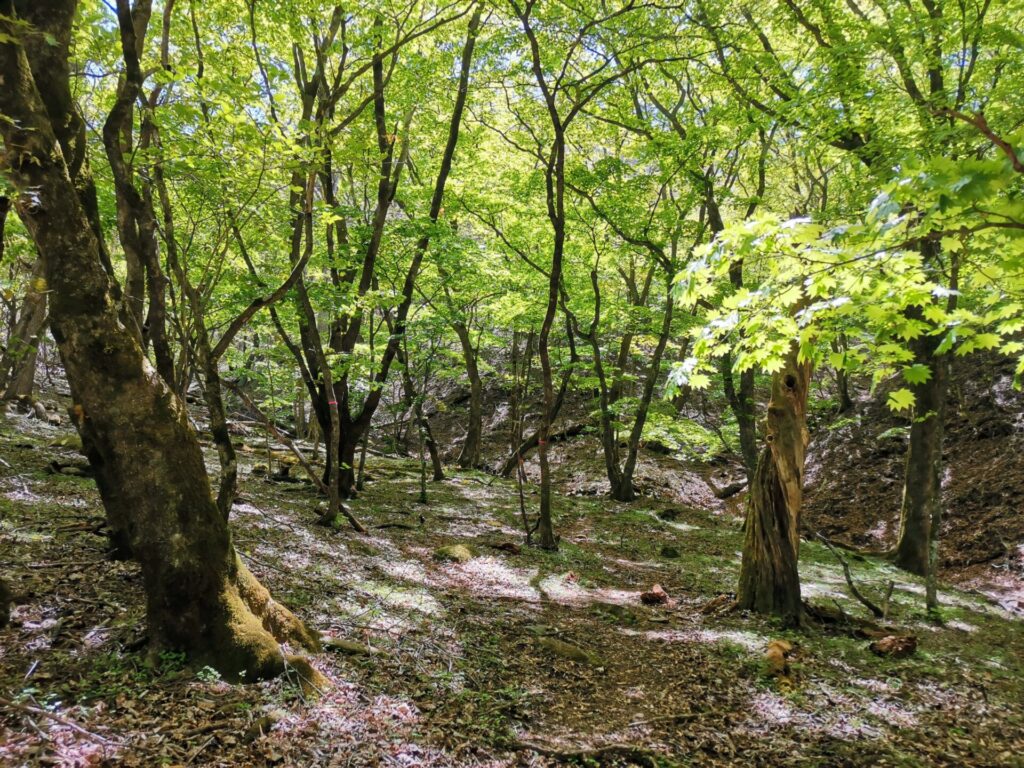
<point>769,581</point>
<point>199,597</point>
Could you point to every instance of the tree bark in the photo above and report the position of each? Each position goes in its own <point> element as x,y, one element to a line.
<point>917,549</point>
<point>18,366</point>
<point>922,486</point>
<point>741,401</point>
<point>470,455</point>
<point>625,490</point>
<point>199,597</point>
<point>769,581</point>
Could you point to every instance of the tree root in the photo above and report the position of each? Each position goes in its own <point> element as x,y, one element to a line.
<point>284,625</point>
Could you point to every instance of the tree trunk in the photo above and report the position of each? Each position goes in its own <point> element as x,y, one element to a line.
<point>921,513</point>
<point>769,580</point>
<point>528,444</point>
<point>414,404</point>
<point>199,597</point>
<point>470,454</point>
<point>842,378</point>
<point>18,366</point>
<point>625,490</point>
<point>922,486</point>
<point>348,442</point>
<point>741,401</point>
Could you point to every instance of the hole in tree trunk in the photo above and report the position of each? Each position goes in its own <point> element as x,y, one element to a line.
<point>790,381</point>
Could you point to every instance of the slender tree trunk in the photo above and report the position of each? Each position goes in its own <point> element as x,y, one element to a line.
<point>922,485</point>
<point>842,378</point>
<point>199,596</point>
<point>741,401</point>
<point>769,581</point>
<point>625,490</point>
<point>18,365</point>
<point>470,454</point>
<point>299,409</point>
<point>214,394</point>
<point>414,405</point>
<point>917,549</point>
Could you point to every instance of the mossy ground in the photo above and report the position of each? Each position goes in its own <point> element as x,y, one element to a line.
<point>462,677</point>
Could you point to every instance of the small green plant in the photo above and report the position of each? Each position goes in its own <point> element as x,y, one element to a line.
<point>208,675</point>
<point>171,661</point>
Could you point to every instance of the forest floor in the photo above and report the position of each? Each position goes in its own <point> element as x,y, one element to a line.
<point>515,657</point>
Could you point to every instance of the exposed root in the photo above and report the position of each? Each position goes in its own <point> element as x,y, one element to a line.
<point>312,682</point>
<point>284,625</point>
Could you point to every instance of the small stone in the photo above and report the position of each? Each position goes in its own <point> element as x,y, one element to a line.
<point>568,651</point>
<point>347,646</point>
<point>454,553</point>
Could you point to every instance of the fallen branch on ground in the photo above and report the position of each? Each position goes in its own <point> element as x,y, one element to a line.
<point>631,752</point>
<point>56,718</point>
<point>877,612</point>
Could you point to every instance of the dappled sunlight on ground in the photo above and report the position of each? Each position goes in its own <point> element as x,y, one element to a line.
<point>749,641</point>
<point>565,590</point>
<point>490,577</point>
<point>462,660</point>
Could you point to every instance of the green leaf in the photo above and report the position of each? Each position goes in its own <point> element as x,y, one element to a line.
<point>901,400</point>
<point>917,373</point>
<point>700,381</point>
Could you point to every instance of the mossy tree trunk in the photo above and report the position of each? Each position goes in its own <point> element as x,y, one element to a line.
<point>769,581</point>
<point>199,597</point>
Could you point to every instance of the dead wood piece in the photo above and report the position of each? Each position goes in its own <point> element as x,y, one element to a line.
<point>630,752</point>
<point>673,719</point>
<point>655,596</point>
<point>877,612</point>
<point>56,718</point>
<point>348,647</point>
<point>261,726</point>
<point>894,646</point>
<point>720,604</point>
